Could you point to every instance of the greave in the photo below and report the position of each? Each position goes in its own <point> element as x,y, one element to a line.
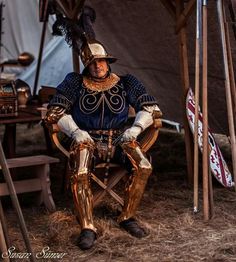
<point>80,159</point>
<point>134,191</point>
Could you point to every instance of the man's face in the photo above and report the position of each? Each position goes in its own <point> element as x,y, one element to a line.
<point>98,68</point>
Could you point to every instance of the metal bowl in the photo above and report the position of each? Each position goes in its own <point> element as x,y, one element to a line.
<point>25,59</point>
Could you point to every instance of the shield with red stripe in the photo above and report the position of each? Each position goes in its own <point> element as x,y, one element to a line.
<point>218,165</point>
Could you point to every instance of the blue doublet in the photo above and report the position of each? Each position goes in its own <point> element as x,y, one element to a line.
<point>101,110</point>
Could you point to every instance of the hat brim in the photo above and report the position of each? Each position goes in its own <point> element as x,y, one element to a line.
<point>110,59</point>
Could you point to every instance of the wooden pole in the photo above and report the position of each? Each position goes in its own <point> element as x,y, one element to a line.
<point>15,202</point>
<point>39,57</point>
<point>205,152</point>
<point>190,6</point>
<point>231,67</point>
<point>185,83</point>
<point>75,57</point>
<point>227,88</point>
<point>197,81</point>
<point>232,9</point>
<point>211,197</point>
<point>4,225</point>
<point>169,7</point>
<point>1,19</point>
<point>3,246</point>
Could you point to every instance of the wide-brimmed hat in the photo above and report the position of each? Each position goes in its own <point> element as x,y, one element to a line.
<point>92,50</point>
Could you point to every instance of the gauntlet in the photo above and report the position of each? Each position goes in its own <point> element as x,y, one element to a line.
<point>143,120</point>
<point>53,114</point>
<point>69,127</point>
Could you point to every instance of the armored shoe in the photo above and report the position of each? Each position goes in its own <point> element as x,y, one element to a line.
<point>132,227</point>
<point>86,239</point>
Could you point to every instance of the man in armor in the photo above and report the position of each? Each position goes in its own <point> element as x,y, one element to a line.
<point>92,108</point>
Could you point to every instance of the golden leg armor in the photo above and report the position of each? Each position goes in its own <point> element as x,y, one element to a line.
<point>80,160</point>
<point>134,191</point>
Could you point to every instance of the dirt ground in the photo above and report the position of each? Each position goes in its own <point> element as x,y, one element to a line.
<point>175,233</point>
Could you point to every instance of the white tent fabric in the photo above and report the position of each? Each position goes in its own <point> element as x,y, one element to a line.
<point>22,29</point>
<point>22,33</point>
<point>56,63</point>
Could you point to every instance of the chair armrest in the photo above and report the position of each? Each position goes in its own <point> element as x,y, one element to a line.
<point>150,135</point>
<point>54,130</point>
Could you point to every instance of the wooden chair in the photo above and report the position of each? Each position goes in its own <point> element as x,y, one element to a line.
<point>45,94</point>
<point>116,171</point>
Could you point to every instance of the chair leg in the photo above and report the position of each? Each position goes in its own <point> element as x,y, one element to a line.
<point>47,139</point>
<point>108,188</point>
<point>65,178</point>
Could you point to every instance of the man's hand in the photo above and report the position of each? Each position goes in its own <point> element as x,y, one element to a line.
<point>131,133</point>
<point>143,119</point>
<point>69,127</point>
<point>81,136</point>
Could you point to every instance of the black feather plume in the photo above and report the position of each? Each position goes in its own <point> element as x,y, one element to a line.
<point>76,32</point>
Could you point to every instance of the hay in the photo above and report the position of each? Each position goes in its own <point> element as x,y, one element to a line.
<point>175,233</point>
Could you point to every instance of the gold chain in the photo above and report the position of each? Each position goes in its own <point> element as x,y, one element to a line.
<point>101,85</point>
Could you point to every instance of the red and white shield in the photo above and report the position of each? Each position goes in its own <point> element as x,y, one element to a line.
<point>218,165</point>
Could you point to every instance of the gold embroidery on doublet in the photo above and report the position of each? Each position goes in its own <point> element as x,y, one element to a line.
<point>102,84</point>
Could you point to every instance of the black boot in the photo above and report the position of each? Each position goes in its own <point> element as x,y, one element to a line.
<point>132,227</point>
<point>86,239</point>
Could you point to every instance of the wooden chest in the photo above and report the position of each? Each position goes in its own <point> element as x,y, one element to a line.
<point>8,99</point>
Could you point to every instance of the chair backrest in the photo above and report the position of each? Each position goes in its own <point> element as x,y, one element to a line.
<point>46,93</point>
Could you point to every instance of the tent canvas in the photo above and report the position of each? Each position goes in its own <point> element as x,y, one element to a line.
<point>141,35</point>
<point>23,33</point>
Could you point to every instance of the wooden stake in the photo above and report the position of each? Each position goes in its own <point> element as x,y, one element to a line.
<point>211,196</point>
<point>185,83</point>
<point>197,80</point>
<point>227,88</point>
<point>205,152</point>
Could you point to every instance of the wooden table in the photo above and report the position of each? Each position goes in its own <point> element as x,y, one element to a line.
<point>25,115</point>
<point>16,64</point>
<point>38,180</point>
